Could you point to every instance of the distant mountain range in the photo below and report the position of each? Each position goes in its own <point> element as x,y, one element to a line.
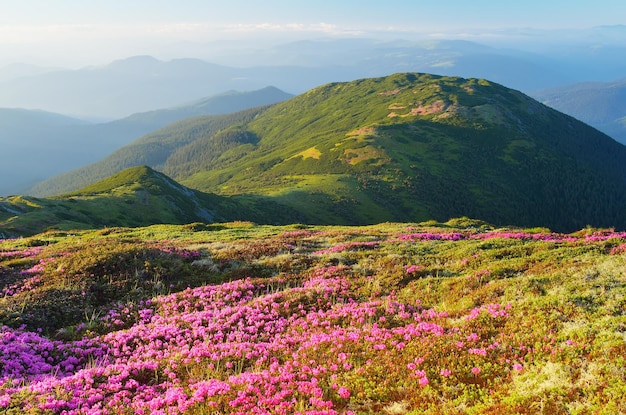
<point>143,83</point>
<point>37,145</point>
<point>152,149</point>
<point>406,147</point>
<point>600,104</point>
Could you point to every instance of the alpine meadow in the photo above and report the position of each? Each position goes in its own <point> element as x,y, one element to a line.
<point>338,208</point>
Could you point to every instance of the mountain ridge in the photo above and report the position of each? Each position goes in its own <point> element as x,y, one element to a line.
<point>55,143</point>
<point>406,147</point>
<point>136,196</point>
<point>600,104</point>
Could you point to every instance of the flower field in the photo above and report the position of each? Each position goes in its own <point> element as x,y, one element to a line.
<point>454,318</point>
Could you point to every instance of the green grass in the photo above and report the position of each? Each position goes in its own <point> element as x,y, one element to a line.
<point>565,325</point>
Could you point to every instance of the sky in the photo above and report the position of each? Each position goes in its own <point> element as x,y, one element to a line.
<point>78,32</point>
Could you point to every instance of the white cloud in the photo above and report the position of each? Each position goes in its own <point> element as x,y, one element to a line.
<point>46,34</point>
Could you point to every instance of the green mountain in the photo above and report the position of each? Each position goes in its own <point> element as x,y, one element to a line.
<point>152,149</point>
<point>407,147</point>
<point>137,196</point>
<point>224,103</point>
<point>52,144</point>
<point>600,104</point>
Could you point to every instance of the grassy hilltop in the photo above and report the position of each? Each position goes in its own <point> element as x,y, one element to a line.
<point>137,196</point>
<point>406,147</point>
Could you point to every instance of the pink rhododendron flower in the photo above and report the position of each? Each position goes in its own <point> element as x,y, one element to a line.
<point>343,392</point>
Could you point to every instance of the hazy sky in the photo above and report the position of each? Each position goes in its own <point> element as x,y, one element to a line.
<point>82,31</point>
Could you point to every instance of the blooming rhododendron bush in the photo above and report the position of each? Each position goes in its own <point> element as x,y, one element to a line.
<point>244,319</point>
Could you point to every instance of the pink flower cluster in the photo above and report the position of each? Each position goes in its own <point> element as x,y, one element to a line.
<point>348,246</point>
<point>430,236</point>
<point>525,236</point>
<point>248,346</point>
<point>24,253</point>
<point>27,356</point>
<point>21,286</point>
<point>125,315</point>
<point>619,249</point>
<point>183,253</point>
<point>411,269</point>
<point>39,267</point>
<point>495,310</point>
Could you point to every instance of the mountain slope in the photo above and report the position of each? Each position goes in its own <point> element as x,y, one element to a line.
<point>407,147</point>
<point>51,144</point>
<point>413,146</point>
<point>600,104</point>
<point>153,149</point>
<point>224,103</point>
<point>135,196</point>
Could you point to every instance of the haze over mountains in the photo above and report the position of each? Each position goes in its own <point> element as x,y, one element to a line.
<point>37,145</point>
<point>143,83</point>
<point>600,104</point>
